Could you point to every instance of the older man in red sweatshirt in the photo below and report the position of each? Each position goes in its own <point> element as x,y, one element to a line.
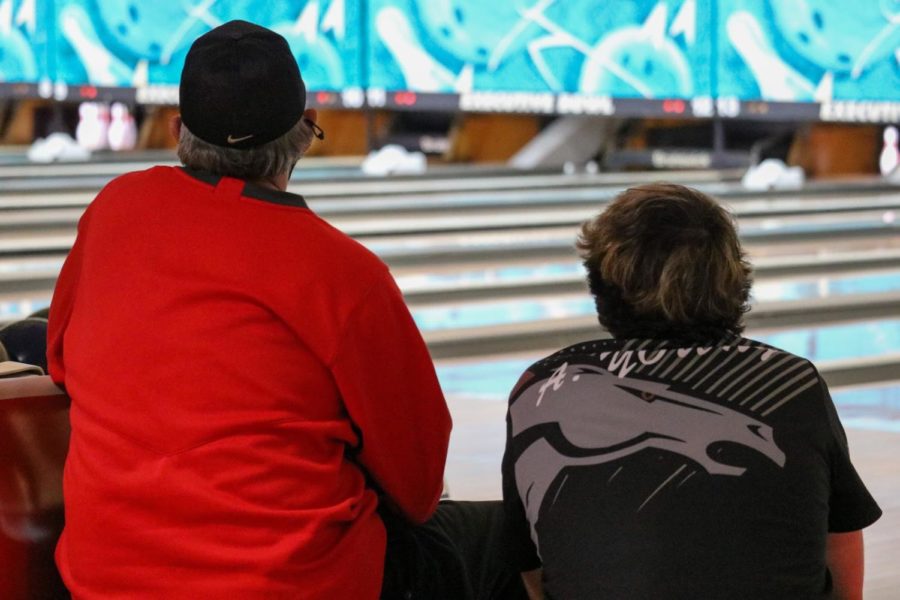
<point>249,391</point>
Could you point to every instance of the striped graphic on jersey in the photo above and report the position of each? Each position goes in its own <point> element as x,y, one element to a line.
<point>752,375</point>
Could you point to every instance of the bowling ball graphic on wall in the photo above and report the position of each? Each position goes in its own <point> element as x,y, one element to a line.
<point>145,30</point>
<point>155,31</point>
<point>839,36</point>
<point>472,31</point>
<point>319,60</point>
<point>106,42</point>
<point>131,42</point>
<point>638,61</point>
<point>17,61</point>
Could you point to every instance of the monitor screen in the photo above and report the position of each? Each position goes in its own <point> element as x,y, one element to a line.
<point>764,59</point>
<point>629,49</point>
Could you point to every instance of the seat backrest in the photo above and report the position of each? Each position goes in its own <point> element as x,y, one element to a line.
<point>34,438</point>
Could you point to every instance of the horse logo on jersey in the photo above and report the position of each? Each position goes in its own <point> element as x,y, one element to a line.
<point>609,417</point>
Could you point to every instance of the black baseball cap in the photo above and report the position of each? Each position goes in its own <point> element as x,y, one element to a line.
<point>240,86</point>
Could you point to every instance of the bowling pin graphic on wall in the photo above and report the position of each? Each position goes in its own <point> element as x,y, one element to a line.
<point>422,72</point>
<point>101,65</point>
<point>776,79</point>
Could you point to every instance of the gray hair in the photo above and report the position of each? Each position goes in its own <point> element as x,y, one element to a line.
<point>268,160</point>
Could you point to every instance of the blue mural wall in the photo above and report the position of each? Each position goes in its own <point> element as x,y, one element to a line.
<point>25,32</point>
<point>782,50</point>
<point>130,42</point>
<point>633,49</point>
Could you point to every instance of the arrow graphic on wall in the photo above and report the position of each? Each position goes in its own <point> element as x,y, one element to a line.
<point>686,22</point>
<point>6,17</point>
<point>335,20</point>
<point>308,22</point>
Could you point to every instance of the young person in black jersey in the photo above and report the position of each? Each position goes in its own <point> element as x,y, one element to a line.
<point>678,459</point>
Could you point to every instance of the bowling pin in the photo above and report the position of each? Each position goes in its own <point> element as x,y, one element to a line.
<point>890,154</point>
<point>103,138</point>
<point>122,130</point>
<point>91,131</point>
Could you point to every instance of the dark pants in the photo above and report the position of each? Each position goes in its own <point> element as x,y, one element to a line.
<point>457,555</point>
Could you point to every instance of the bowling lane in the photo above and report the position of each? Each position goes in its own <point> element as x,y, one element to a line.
<point>538,276</point>
<point>27,280</point>
<point>524,196</point>
<point>510,276</point>
<point>554,243</point>
<point>39,201</point>
<point>333,196</point>
<point>575,205</point>
<point>467,327</point>
<point>341,171</point>
<point>438,241</point>
<point>504,311</point>
<point>763,214</point>
<point>37,180</point>
<point>874,407</point>
<point>40,173</point>
<point>105,165</point>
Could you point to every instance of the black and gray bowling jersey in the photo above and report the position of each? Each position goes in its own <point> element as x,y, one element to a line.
<point>649,469</point>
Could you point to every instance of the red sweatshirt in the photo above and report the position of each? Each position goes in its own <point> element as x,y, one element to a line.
<point>243,378</point>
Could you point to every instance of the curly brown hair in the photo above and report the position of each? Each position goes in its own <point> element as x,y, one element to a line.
<point>664,261</point>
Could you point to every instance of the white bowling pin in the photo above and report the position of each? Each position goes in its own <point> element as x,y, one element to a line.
<point>103,140</point>
<point>890,154</point>
<point>116,134</point>
<point>122,130</point>
<point>91,131</point>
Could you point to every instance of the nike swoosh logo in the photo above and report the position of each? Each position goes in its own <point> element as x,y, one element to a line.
<point>234,140</point>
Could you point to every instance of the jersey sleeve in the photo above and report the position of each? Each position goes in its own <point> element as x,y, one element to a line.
<point>517,541</point>
<point>851,506</point>
<point>390,390</point>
